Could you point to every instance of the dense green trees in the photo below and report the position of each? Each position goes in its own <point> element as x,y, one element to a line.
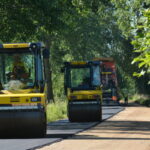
<point>133,20</point>
<point>142,43</point>
<point>76,30</point>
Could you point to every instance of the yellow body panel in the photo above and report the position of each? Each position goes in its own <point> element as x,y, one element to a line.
<point>106,72</point>
<point>21,97</point>
<point>78,63</point>
<point>88,94</point>
<point>16,45</point>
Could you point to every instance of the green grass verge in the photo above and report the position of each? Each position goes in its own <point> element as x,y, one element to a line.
<point>56,111</point>
<point>141,99</point>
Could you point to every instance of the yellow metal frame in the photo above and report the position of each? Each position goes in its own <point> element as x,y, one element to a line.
<point>20,99</point>
<point>78,63</point>
<point>106,72</point>
<point>16,45</point>
<point>84,95</point>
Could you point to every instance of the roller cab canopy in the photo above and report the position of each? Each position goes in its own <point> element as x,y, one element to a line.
<point>83,90</point>
<point>21,66</point>
<point>82,75</point>
<point>82,80</point>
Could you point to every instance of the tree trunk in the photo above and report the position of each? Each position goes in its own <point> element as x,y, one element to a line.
<point>47,42</point>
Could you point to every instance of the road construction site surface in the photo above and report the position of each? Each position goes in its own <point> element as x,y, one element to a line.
<point>56,132</point>
<point>128,130</point>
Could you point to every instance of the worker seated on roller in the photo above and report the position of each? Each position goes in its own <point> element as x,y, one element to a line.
<point>18,77</point>
<point>19,71</point>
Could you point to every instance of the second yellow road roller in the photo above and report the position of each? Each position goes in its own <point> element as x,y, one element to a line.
<point>82,84</point>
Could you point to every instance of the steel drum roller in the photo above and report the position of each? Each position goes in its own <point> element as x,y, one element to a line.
<point>22,122</point>
<point>84,111</point>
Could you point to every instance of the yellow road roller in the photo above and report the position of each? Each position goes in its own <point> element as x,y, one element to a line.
<point>23,95</point>
<point>82,84</point>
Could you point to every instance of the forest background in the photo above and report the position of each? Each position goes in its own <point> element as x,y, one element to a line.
<point>82,30</point>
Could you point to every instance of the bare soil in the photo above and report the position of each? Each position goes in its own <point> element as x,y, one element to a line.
<point>128,130</point>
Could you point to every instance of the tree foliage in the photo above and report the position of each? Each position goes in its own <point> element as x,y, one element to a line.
<point>74,30</point>
<point>142,43</point>
<point>134,25</point>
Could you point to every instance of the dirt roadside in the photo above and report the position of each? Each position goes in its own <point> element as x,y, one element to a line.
<point>128,130</point>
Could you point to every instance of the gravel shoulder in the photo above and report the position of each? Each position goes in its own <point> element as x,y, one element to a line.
<point>129,129</point>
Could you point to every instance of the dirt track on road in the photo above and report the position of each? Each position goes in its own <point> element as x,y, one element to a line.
<point>128,130</point>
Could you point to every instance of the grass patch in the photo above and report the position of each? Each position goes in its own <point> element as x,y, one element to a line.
<point>141,99</point>
<point>56,111</point>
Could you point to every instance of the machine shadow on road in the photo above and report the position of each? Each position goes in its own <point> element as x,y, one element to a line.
<point>62,136</point>
<point>117,130</point>
<point>66,129</point>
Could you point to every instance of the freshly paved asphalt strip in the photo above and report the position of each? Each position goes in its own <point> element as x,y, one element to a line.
<point>56,131</point>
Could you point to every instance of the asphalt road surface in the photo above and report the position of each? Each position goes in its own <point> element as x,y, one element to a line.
<point>56,131</point>
<point>128,130</point>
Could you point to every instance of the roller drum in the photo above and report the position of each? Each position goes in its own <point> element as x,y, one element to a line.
<point>28,123</point>
<point>84,111</point>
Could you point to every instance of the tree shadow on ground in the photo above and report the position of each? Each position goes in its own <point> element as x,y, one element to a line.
<point>121,130</point>
<point>91,137</point>
<point>115,127</point>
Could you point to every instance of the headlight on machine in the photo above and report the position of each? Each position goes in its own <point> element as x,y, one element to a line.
<point>35,99</point>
